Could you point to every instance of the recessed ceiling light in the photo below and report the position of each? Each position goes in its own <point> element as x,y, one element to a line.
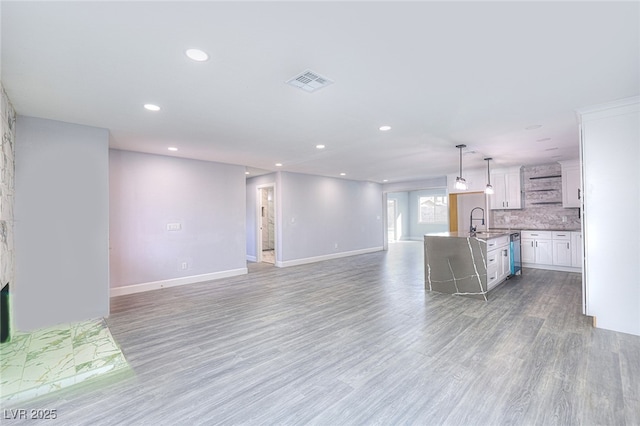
<point>343,174</point>
<point>320,146</point>
<point>152,107</point>
<point>197,55</point>
<point>533,127</point>
<point>278,164</point>
<point>247,173</point>
<point>172,148</point>
<point>385,128</point>
<point>385,180</point>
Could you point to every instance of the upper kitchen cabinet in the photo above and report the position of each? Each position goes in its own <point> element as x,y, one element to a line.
<point>571,183</point>
<point>507,184</point>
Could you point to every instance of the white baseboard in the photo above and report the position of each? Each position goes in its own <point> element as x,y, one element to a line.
<point>551,267</point>
<point>304,261</point>
<point>252,258</point>
<point>155,285</point>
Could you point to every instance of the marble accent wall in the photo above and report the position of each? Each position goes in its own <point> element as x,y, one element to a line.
<point>7,173</point>
<point>542,204</point>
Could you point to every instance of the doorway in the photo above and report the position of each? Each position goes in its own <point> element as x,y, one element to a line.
<point>266,241</point>
<point>392,211</point>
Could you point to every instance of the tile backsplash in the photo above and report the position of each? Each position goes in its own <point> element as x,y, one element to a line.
<point>542,203</point>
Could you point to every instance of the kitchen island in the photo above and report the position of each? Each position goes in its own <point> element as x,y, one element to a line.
<point>466,264</point>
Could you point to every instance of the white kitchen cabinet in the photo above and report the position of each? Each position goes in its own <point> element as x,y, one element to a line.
<point>553,250</point>
<point>498,261</point>
<point>536,247</point>
<point>544,252</point>
<point>527,250</point>
<point>562,252</point>
<point>507,185</point>
<point>576,249</point>
<point>505,263</point>
<point>571,184</point>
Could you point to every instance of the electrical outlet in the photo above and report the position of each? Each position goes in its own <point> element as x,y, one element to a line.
<point>184,265</point>
<point>335,246</point>
<point>176,226</point>
<point>564,218</point>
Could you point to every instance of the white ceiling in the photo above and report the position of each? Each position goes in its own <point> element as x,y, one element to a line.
<point>440,74</point>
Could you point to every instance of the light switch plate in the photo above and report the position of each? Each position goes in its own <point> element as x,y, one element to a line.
<point>175,226</point>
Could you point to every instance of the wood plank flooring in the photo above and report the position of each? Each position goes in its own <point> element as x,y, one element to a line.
<point>359,341</point>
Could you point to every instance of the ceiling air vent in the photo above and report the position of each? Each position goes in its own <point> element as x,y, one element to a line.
<point>309,81</point>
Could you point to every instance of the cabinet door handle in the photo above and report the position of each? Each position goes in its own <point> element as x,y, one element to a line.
<point>531,243</point>
<point>536,244</point>
<point>579,195</point>
<point>567,245</point>
<point>507,204</point>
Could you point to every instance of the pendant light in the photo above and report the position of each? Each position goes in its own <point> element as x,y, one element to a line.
<point>461,183</point>
<point>489,189</point>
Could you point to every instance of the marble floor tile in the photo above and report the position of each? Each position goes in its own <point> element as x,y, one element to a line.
<point>34,364</point>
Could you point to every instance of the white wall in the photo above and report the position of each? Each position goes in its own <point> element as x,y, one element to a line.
<point>61,223</point>
<point>418,230</point>
<point>402,214</point>
<point>466,203</point>
<point>611,224</point>
<point>317,213</point>
<point>476,180</point>
<point>148,192</point>
<point>415,185</point>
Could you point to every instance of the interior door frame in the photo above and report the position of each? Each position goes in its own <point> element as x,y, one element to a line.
<point>259,206</point>
<point>393,202</point>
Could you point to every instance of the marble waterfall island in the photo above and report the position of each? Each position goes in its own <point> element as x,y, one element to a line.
<point>465,264</point>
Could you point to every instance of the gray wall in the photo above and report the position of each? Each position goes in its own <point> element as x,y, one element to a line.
<point>319,212</point>
<point>147,192</point>
<point>61,223</point>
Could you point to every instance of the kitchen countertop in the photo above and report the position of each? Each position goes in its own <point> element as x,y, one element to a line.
<point>465,234</point>
<point>536,229</point>
<point>493,232</point>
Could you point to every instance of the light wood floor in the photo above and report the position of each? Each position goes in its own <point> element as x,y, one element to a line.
<point>359,341</point>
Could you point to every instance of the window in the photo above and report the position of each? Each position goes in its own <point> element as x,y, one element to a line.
<point>433,209</point>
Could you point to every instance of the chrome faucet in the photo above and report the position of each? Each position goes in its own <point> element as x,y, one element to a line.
<point>472,229</point>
